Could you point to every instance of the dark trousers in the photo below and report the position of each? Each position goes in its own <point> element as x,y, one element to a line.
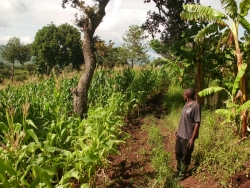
<point>182,152</point>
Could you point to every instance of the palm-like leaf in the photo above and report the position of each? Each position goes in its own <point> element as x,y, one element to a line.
<point>240,73</point>
<point>230,7</point>
<point>202,13</point>
<point>212,28</point>
<point>210,90</point>
<point>245,106</point>
<point>244,7</point>
<point>245,24</point>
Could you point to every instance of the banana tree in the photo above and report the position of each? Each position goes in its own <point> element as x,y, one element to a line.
<point>228,23</point>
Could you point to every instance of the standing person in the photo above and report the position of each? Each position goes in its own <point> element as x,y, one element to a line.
<point>188,130</point>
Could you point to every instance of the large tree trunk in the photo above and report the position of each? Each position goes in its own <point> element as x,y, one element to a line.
<point>80,93</point>
<point>88,22</point>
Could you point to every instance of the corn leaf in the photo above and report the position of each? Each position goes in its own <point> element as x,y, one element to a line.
<point>30,122</point>
<point>210,90</point>
<point>68,175</point>
<point>4,127</point>
<point>4,180</point>
<point>42,174</point>
<point>33,135</point>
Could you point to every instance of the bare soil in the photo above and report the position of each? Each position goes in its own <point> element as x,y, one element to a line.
<point>132,167</point>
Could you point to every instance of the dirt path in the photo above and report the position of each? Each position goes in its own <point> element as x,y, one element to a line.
<point>132,167</point>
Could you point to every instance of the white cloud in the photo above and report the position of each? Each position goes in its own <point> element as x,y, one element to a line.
<point>4,24</point>
<point>4,39</point>
<point>23,18</point>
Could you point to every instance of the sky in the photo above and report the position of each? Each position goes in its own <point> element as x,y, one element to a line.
<point>23,18</point>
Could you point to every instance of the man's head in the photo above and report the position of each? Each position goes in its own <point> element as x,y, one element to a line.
<point>189,93</point>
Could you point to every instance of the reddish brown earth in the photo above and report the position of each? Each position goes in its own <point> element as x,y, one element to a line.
<point>132,167</point>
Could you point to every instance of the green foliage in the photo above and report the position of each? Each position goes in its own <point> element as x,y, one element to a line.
<point>14,51</point>
<point>160,159</point>
<point>217,150</point>
<point>234,108</point>
<point>135,48</point>
<point>136,85</point>
<point>57,46</point>
<point>44,145</point>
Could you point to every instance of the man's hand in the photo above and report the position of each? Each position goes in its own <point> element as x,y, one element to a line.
<point>175,134</point>
<point>190,143</point>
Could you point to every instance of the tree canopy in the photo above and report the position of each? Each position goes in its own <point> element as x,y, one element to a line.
<point>167,21</point>
<point>59,46</point>
<point>15,51</point>
<point>134,46</point>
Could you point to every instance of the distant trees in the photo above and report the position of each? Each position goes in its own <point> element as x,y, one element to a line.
<point>57,46</point>
<point>107,55</point>
<point>134,46</point>
<point>15,51</point>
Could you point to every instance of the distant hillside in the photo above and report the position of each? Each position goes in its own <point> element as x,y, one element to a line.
<point>16,64</point>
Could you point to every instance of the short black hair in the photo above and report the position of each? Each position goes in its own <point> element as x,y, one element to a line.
<point>190,93</point>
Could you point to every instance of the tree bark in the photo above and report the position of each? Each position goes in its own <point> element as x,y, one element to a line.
<point>88,23</point>
<point>80,93</point>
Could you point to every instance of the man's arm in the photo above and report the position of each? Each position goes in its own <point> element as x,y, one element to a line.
<point>195,134</point>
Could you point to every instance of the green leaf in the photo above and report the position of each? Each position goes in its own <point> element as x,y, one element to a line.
<point>244,7</point>
<point>210,29</point>
<point>7,167</point>
<point>245,106</point>
<point>245,24</point>
<point>85,185</point>
<point>4,180</point>
<point>42,174</point>
<point>33,135</point>
<point>210,90</point>
<point>4,127</point>
<point>202,13</point>
<point>240,73</point>
<point>51,149</point>
<point>30,122</point>
<point>68,175</point>
<point>230,7</point>
<point>85,159</point>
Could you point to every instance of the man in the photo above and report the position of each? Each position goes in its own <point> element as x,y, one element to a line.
<point>187,132</point>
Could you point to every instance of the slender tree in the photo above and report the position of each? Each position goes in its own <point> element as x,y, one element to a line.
<point>134,46</point>
<point>227,22</point>
<point>14,51</point>
<point>88,21</point>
